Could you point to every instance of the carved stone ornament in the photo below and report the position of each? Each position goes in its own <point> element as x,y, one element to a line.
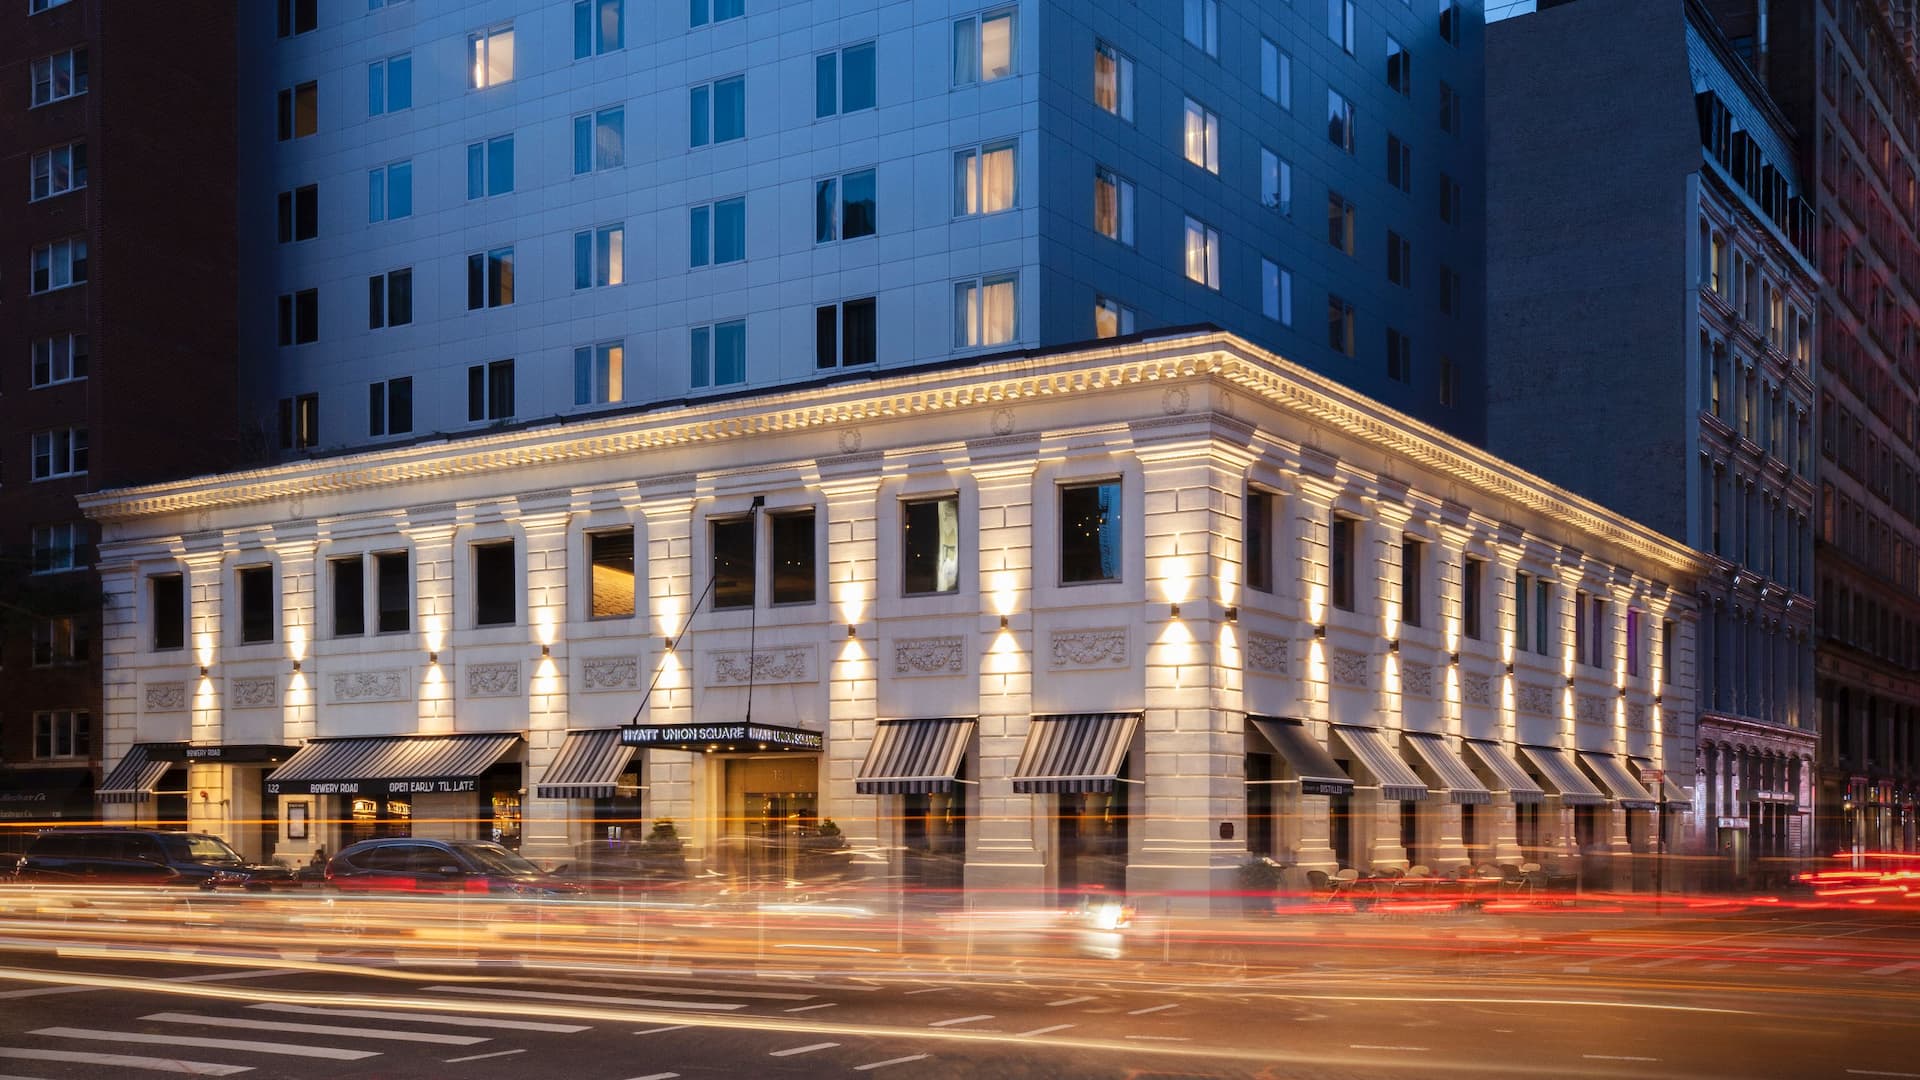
<point>1268,653</point>
<point>354,687</point>
<point>1349,668</point>
<point>1637,715</point>
<point>602,673</point>
<point>1590,709</point>
<point>1003,421</point>
<point>259,692</point>
<point>498,679</point>
<point>1535,698</point>
<point>1416,680</point>
<point>850,440</point>
<point>1175,401</point>
<point>166,697</point>
<point>1477,689</point>
<point>738,667</point>
<point>1087,648</point>
<point>913,657</point>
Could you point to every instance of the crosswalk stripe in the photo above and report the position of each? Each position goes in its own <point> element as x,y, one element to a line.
<point>331,1053</point>
<point>316,1029</point>
<point>425,1018</point>
<point>758,995</point>
<point>594,999</point>
<point>126,1061</point>
<point>808,1049</point>
<point>872,1065</point>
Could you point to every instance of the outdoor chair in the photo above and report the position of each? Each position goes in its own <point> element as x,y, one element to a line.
<point>1319,885</point>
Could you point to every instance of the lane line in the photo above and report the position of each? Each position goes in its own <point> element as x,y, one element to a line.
<point>1069,1001</point>
<point>926,990</point>
<point>659,1030</point>
<point>808,1049</point>
<point>1160,1038</point>
<point>127,1061</point>
<point>483,1057</point>
<point>316,1029</point>
<point>1373,1046</point>
<point>1154,1009</point>
<point>331,1053</point>
<point>1892,969</point>
<point>870,1066</point>
<point>961,1020</point>
<point>425,1018</point>
<point>1878,1072</point>
<point>810,1008</point>
<point>688,991</point>
<point>1617,1057</point>
<point>1043,1031</point>
<point>657,1076</point>
<point>221,976</point>
<point>597,999</point>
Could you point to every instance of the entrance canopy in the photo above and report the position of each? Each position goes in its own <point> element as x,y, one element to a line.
<point>915,757</point>
<point>588,766</point>
<point>1319,774</point>
<point>1071,753</point>
<point>1519,786</point>
<point>1613,773</point>
<point>1558,767</point>
<point>390,765</point>
<point>1397,780</point>
<point>133,780</point>
<point>1458,781</point>
<point>722,738</point>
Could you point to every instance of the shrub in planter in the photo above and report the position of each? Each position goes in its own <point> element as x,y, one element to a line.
<point>1257,881</point>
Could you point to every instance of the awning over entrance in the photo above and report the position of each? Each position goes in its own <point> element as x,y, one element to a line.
<point>1074,752</point>
<point>1318,773</point>
<point>1519,786</point>
<point>1456,779</point>
<point>1397,780</point>
<point>914,757</point>
<point>588,766</point>
<point>45,794</point>
<point>1613,773</point>
<point>1558,767</point>
<point>390,765</point>
<point>722,738</point>
<point>133,780</point>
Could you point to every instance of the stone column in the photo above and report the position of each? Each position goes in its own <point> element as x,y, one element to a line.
<point>544,822</point>
<point>672,589</point>
<point>851,485</point>
<point>1310,511</point>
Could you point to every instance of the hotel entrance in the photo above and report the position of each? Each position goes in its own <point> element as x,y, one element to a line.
<point>770,819</point>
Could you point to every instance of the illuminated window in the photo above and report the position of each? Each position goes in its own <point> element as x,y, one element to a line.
<point>984,311</point>
<point>1112,205</point>
<point>598,372</point>
<point>983,48</point>
<point>1202,136</point>
<point>299,114</point>
<point>930,546</point>
<point>1111,318</point>
<point>611,568</point>
<point>600,257</point>
<point>490,56</point>
<point>984,180</point>
<point>1113,80</point>
<point>1203,254</point>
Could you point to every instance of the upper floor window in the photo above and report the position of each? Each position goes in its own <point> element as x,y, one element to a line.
<point>1536,634</point>
<point>1413,555</point>
<point>61,733</point>
<point>983,179</point>
<point>1111,318</point>
<point>1276,74</point>
<point>930,545</point>
<point>983,48</point>
<point>732,559</point>
<point>58,170</point>
<point>599,140</point>
<point>1203,254</point>
<point>717,111</point>
<point>1449,109</point>
<point>793,563</point>
<point>1633,641</point>
<point>295,17</point>
<point>1257,545</point>
<point>1340,23</point>
<point>490,391</point>
<point>490,278</point>
<point>298,214</point>
<point>1340,556</point>
<point>1399,163</point>
<point>60,452</point>
<point>600,256</point>
<point>1112,205</point>
<point>984,311</point>
<point>490,56</point>
<point>1113,80</point>
<point>1340,222</point>
<point>299,317</point>
<point>611,573</point>
<point>390,84</point>
<point>599,373</point>
<point>702,12</point>
<point>1452,299</point>
<point>846,333</point>
<point>1200,25</point>
<point>168,596</point>
<point>60,76</point>
<point>1399,67</point>
<point>392,594</point>
<point>35,7</point>
<point>1449,199</point>
<point>1450,21</point>
<point>599,26</point>
<point>1399,259</point>
<point>490,167</point>
<point>300,422</point>
<point>1473,574</point>
<point>1340,329</point>
<point>255,584</point>
<point>1449,389</point>
<point>719,354</point>
<point>390,299</point>
<point>390,192</point>
<point>846,207</point>
<point>1339,120</point>
<point>1399,356</point>
<point>1090,532</point>
<point>843,81</point>
<point>1276,182</point>
<point>495,584</point>
<point>299,111</point>
<point>60,358</point>
<point>390,407</point>
<point>57,547</point>
<point>64,640</point>
<point>1276,292</point>
<point>717,232</point>
<point>59,265</point>
<point>1202,136</point>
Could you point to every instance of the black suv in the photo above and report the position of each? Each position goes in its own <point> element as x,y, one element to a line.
<point>123,856</point>
<point>405,864</point>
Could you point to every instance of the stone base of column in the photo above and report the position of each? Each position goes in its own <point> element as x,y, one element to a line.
<point>1007,879</point>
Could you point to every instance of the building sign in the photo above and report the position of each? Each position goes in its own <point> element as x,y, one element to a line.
<point>1324,787</point>
<point>371,787</point>
<point>1733,823</point>
<point>237,753</point>
<point>721,737</point>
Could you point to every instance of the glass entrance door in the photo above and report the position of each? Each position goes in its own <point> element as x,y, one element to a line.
<point>772,813</point>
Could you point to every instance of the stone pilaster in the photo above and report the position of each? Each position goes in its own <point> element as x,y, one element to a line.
<point>1007,848</point>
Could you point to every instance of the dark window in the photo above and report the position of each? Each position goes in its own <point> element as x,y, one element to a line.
<point>256,603</point>
<point>793,557</point>
<point>490,391</point>
<point>1668,631</point>
<point>611,555</point>
<point>826,336</point>
<point>490,279</point>
<point>844,334</point>
<point>1090,532</point>
<point>1259,542</point>
<point>1399,356</point>
<point>296,17</point>
<point>1339,325</point>
<point>1412,554</point>
<point>299,214</point>
<point>1597,632</point>
<point>1340,537</point>
<point>1542,598</point>
<point>494,603</point>
<point>300,317</point>
<point>1471,576</point>
<point>1522,582</point>
<point>733,563</point>
<point>390,407</point>
<point>1399,163</point>
<point>930,542</point>
<point>169,611</point>
<point>299,111</point>
<point>1399,259</point>
<point>349,596</point>
<point>1580,639</point>
<point>390,299</point>
<point>393,591</point>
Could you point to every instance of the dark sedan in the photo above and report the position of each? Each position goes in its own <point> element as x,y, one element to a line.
<point>404,864</point>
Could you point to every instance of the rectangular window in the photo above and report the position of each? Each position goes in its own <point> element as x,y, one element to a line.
<point>701,12</point>
<point>63,640</point>
<point>1090,532</point>
<point>1258,544</point>
<point>719,354</point>
<point>844,334</point>
<point>1448,390</point>
<point>1340,23</point>
<point>845,207</point>
<point>1399,163</point>
<point>300,422</point>
<point>1542,629</point>
<point>348,579</point>
<point>60,76</point>
<point>1633,642</point>
<point>296,17</point>
<point>983,48</point>
<point>600,257</point>
<point>599,373</point>
<point>59,265</point>
<point>930,546</point>
<point>844,81</point>
<point>299,113</point>
<point>1450,22</point>
<point>1339,121</point>
<point>793,566</point>
<point>299,317</point>
<point>1202,136</point>
<point>717,111</point>
<point>983,179</point>
<point>392,592</point>
<point>490,167</point>
<point>1522,583</point>
<point>62,733</point>
<point>732,563</point>
<point>57,171</point>
<point>1399,259</point>
<point>1276,292</point>
<point>717,232</point>
<point>599,27</point>
<point>1111,318</point>
<point>1339,325</point>
<point>1450,296</point>
<point>1113,80</point>
<point>390,192</point>
<point>1340,553</point>
<point>1597,632</point>
<point>1669,636</point>
<point>984,311</point>
<point>1340,222</point>
<point>1276,74</point>
<point>257,603</point>
<point>599,140</point>
<point>168,594</point>
<point>55,548</point>
<point>1203,254</point>
<point>490,279</point>
<point>1276,183</point>
<point>1473,574</point>
<point>60,358</point>
<point>61,452</point>
<point>611,574</point>
<point>1449,109</point>
<point>490,391</point>
<point>1112,205</point>
<point>1200,25</point>
<point>495,602</point>
<point>1399,67</point>
<point>490,56</point>
<point>390,84</point>
<point>1399,356</point>
<point>1413,556</point>
<point>299,214</point>
<point>390,407</point>
<point>390,299</point>
<point>1449,200</point>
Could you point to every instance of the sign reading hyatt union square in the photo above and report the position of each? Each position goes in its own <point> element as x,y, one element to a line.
<point>701,736</point>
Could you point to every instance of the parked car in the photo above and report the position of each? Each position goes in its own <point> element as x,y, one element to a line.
<point>405,864</point>
<point>615,865</point>
<point>129,856</point>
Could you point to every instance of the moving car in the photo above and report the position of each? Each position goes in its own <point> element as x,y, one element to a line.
<point>129,856</point>
<point>405,864</point>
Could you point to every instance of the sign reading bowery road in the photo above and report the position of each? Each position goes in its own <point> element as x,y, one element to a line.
<point>721,737</point>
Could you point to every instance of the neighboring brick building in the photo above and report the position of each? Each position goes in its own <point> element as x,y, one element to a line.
<point>117,288</point>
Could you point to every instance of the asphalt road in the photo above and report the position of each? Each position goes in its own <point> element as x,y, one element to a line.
<point>1745,996</point>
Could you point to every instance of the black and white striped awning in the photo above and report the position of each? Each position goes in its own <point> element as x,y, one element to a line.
<point>1398,783</point>
<point>915,757</point>
<point>1458,781</point>
<point>588,766</point>
<point>1507,772</point>
<point>133,780</point>
<point>1613,773</point>
<point>1572,785</point>
<point>1313,767</point>
<point>1074,752</point>
<point>1674,796</point>
<point>390,765</point>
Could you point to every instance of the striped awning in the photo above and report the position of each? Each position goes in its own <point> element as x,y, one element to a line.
<point>1397,780</point>
<point>1458,781</point>
<point>1313,767</point>
<point>1572,785</point>
<point>390,765</point>
<point>1074,752</point>
<point>1506,771</point>
<point>1614,775</point>
<point>133,780</point>
<point>588,766</point>
<point>1674,796</point>
<point>914,757</point>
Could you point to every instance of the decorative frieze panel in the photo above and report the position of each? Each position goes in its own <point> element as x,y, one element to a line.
<point>738,667</point>
<point>915,657</point>
<point>1349,667</point>
<point>1265,652</point>
<point>1087,648</point>
<point>1590,709</point>
<point>166,697</point>
<point>1416,680</point>
<point>599,674</point>
<point>257,692</point>
<point>360,687</point>
<point>1637,715</point>
<point>500,679</point>
<point>1536,698</point>
<point>1477,689</point>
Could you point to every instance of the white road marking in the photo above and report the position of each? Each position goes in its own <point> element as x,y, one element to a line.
<point>597,999</point>
<point>316,1029</point>
<point>483,1057</point>
<point>871,1065</point>
<point>926,990</point>
<point>1372,1046</point>
<point>808,1049</point>
<point>425,1018</point>
<point>758,995</point>
<point>1154,1009</point>
<point>961,1020</point>
<point>219,976</point>
<point>1160,1038</point>
<point>1892,969</point>
<point>657,1076</point>
<point>1043,1031</point>
<point>810,1008</point>
<point>1617,1057</point>
<point>659,1030</point>
<point>127,1061</point>
<point>331,1053</point>
<point>1069,1001</point>
<point>1878,1072</point>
